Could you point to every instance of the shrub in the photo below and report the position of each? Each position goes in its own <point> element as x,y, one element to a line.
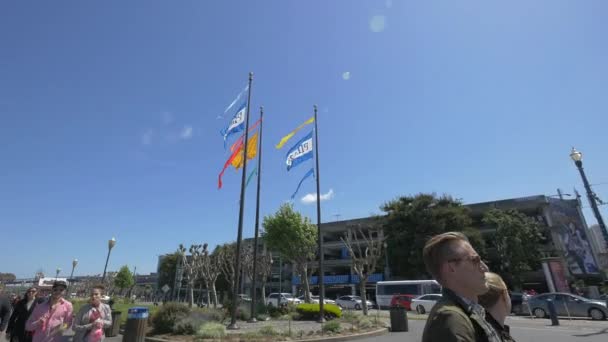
<point>211,330</point>
<point>365,322</point>
<point>333,326</point>
<point>210,314</point>
<point>167,316</point>
<point>349,316</point>
<point>268,331</point>
<point>262,317</point>
<point>311,311</point>
<point>282,310</point>
<point>187,325</point>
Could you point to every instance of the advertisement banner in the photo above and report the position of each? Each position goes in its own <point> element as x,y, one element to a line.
<point>558,275</point>
<point>568,224</point>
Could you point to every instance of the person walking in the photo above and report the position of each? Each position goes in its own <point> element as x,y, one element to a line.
<point>457,317</point>
<point>92,318</point>
<point>497,303</point>
<point>23,310</point>
<point>5,311</point>
<point>51,317</point>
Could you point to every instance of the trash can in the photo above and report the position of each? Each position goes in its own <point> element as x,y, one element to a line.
<point>135,330</point>
<point>398,318</point>
<point>114,329</point>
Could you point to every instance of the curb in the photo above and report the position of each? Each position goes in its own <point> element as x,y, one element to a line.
<point>373,333</point>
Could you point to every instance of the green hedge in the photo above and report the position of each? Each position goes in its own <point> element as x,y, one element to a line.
<point>311,311</point>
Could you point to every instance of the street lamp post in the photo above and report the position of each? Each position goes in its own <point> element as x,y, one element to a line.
<point>74,263</point>
<point>111,244</point>
<point>577,157</point>
<point>57,273</point>
<point>387,270</point>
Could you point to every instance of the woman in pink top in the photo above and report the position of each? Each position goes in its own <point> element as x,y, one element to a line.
<point>92,318</point>
<point>52,317</point>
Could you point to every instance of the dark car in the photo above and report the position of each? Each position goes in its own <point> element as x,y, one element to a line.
<point>403,300</point>
<point>567,304</point>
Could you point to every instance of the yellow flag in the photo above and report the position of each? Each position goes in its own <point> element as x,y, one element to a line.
<point>292,133</point>
<point>252,151</point>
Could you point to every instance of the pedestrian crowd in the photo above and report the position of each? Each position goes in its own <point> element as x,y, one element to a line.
<point>33,319</point>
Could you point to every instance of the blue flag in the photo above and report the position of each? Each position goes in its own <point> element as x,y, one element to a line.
<point>310,172</point>
<point>237,124</point>
<point>300,152</point>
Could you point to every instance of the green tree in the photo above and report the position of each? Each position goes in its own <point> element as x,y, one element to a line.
<point>517,239</point>
<point>295,237</point>
<point>124,278</point>
<point>166,270</point>
<point>412,220</point>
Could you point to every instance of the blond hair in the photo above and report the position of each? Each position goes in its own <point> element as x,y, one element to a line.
<point>439,249</point>
<point>497,288</point>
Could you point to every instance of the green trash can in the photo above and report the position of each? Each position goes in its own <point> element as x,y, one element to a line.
<point>398,318</point>
<point>137,321</point>
<point>114,329</point>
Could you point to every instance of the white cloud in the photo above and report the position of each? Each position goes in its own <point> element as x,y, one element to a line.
<point>167,118</point>
<point>346,76</point>
<point>146,138</point>
<point>186,133</point>
<point>377,23</point>
<point>312,198</point>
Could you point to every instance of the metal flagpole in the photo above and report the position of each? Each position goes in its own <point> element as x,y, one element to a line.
<point>320,238</point>
<point>257,223</point>
<point>237,261</point>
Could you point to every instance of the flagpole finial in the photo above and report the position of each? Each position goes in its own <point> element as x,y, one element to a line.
<point>315,106</point>
<point>250,76</point>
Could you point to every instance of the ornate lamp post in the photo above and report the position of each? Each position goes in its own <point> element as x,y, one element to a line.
<point>111,244</point>
<point>577,157</point>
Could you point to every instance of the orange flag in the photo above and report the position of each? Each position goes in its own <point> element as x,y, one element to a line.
<point>252,151</point>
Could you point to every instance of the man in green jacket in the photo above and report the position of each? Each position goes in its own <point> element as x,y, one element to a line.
<point>457,317</point>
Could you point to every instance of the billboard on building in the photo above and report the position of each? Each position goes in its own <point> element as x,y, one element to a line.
<point>570,228</point>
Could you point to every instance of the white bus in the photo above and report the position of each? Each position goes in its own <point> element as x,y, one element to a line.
<point>386,289</point>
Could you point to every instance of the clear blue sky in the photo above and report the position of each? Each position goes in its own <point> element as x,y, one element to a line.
<point>109,113</point>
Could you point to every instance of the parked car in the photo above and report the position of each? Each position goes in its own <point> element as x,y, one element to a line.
<point>352,302</point>
<point>273,299</point>
<point>315,299</point>
<point>567,304</point>
<point>244,298</point>
<point>425,303</point>
<point>403,300</point>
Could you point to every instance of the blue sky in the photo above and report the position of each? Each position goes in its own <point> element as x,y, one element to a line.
<point>109,113</point>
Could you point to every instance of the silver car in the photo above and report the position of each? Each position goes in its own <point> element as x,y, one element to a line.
<point>567,304</point>
<point>352,302</point>
<point>316,299</point>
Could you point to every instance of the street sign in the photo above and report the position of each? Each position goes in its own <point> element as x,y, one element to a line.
<point>165,288</point>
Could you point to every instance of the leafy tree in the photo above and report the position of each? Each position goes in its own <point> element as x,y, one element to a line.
<point>517,242</point>
<point>167,270</point>
<point>295,237</point>
<point>412,220</point>
<point>124,279</point>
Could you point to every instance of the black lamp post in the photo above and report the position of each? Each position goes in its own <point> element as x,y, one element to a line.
<point>57,273</point>
<point>577,157</point>
<point>111,244</point>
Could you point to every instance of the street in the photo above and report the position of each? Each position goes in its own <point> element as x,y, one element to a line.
<point>523,330</point>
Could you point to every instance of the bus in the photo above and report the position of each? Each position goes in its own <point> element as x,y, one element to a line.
<point>386,289</point>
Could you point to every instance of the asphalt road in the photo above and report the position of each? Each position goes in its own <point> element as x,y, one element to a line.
<point>522,330</point>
